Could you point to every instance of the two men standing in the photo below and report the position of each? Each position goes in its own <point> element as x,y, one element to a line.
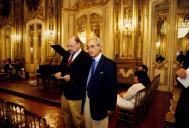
<point>90,80</point>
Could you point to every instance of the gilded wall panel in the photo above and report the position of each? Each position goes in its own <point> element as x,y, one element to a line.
<point>7,43</point>
<point>34,10</point>
<point>128,21</point>
<point>89,25</point>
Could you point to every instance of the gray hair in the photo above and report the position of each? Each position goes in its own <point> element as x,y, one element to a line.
<point>98,41</point>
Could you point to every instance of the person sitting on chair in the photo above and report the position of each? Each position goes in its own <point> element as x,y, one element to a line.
<point>144,68</point>
<point>19,70</point>
<point>127,99</point>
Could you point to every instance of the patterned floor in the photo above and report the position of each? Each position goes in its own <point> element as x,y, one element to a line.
<point>47,104</point>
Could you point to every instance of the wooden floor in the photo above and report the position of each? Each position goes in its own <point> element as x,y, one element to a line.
<point>47,103</point>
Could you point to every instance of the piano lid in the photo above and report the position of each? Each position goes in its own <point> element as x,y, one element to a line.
<point>58,49</point>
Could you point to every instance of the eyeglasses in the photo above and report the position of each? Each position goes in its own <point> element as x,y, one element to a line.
<point>90,47</point>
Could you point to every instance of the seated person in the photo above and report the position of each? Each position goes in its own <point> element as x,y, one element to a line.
<point>127,99</point>
<point>3,63</point>
<point>18,70</point>
<point>180,57</point>
<point>144,68</point>
<point>159,58</point>
<point>7,66</point>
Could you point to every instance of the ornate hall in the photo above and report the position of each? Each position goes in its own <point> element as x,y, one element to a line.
<point>133,32</point>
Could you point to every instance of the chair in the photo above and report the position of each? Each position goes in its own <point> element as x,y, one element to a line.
<point>134,116</point>
<point>35,121</point>
<point>154,86</point>
<point>3,110</point>
<point>15,114</point>
<point>156,81</point>
<point>151,92</point>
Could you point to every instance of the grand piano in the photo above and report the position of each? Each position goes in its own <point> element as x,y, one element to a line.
<point>46,71</point>
<point>49,69</point>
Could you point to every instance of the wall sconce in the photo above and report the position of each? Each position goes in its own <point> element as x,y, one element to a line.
<point>163,28</point>
<point>50,34</point>
<point>31,50</point>
<point>127,27</point>
<point>16,37</point>
<point>158,44</point>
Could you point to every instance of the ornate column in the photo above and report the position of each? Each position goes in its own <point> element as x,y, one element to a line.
<point>68,26</point>
<point>149,29</point>
<point>35,49</point>
<point>64,29</point>
<point>171,47</point>
<point>27,49</point>
<point>2,48</point>
<point>108,40</point>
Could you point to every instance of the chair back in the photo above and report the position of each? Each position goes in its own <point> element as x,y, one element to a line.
<point>155,82</point>
<point>3,112</point>
<point>15,114</point>
<point>35,121</point>
<point>134,117</point>
<point>140,98</point>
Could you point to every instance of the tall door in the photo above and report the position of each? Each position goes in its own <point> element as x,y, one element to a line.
<point>34,46</point>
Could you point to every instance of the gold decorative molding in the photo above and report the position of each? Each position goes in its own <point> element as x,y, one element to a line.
<point>74,5</point>
<point>125,75</point>
<point>38,13</point>
<point>89,25</point>
<point>160,66</point>
<point>128,30</point>
<point>91,3</point>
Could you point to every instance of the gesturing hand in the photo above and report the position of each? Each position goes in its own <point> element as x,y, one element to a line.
<point>66,77</point>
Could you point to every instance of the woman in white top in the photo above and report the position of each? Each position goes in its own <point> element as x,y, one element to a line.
<point>127,99</point>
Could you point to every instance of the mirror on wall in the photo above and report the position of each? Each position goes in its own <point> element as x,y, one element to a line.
<point>128,21</point>
<point>182,39</point>
<point>161,39</point>
<point>162,17</point>
<point>88,26</point>
<point>182,31</point>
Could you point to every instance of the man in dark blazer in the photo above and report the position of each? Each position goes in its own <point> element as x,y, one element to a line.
<point>101,95</point>
<point>74,67</point>
<point>182,109</point>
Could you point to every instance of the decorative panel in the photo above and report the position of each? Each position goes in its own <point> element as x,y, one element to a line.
<point>128,32</point>
<point>34,9</point>
<point>31,41</point>
<point>95,24</point>
<point>89,25</point>
<point>81,24</point>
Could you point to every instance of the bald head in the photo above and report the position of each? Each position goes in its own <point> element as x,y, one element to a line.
<point>74,44</point>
